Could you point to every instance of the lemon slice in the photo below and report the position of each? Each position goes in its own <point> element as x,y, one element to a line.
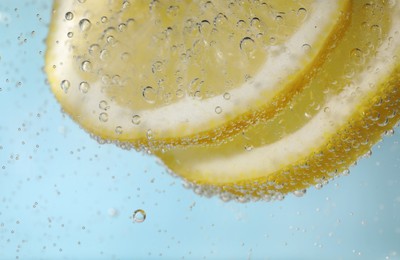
<point>342,112</point>
<point>162,73</point>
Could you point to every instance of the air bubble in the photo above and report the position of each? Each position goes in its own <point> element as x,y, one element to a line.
<point>218,110</point>
<point>227,96</point>
<point>149,94</point>
<point>70,34</point>
<point>279,18</point>
<point>86,66</point>
<point>302,12</point>
<point>84,25</point>
<point>139,216</point>
<point>357,55</point>
<point>389,132</point>
<point>173,10</point>
<point>149,134</point>
<point>125,4</point>
<point>93,49</point>
<point>136,119</point>
<point>247,45</point>
<point>69,16</point>
<point>104,105</point>
<point>220,19</point>
<point>111,40</point>
<point>255,22</point>
<point>104,54</point>
<point>241,24</point>
<point>103,117</point>
<point>65,85</point>
<point>376,29</point>
<point>104,19</point>
<point>122,27</point>
<point>157,66</point>
<point>346,172</point>
<point>84,87</point>
<point>248,148</point>
<point>299,193</point>
<point>179,93</point>
<point>125,56</point>
<point>306,47</point>
<point>118,130</point>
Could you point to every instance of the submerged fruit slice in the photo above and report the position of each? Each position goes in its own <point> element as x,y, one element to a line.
<point>184,72</point>
<point>344,110</point>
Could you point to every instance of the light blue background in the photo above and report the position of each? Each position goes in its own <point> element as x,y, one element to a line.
<point>57,187</point>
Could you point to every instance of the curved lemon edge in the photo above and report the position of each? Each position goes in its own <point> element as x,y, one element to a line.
<point>216,135</point>
<point>342,149</point>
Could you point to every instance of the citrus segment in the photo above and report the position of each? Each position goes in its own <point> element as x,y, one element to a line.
<point>352,100</point>
<point>184,72</point>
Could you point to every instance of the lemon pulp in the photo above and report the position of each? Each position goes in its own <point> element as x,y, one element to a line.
<point>244,99</point>
<point>184,72</point>
<point>341,113</point>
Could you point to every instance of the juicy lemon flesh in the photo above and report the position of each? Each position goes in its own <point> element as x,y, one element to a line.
<point>145,56</point>
<point>371,29</point>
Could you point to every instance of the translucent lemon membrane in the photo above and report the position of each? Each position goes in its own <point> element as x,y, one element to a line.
<point>340,115</point>
<point>184,72</point>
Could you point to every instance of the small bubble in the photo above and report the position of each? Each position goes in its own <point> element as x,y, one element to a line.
<point>86,66</point>
<point>125,56</point>
<point>112,212</point>
<point>241,24</point>
<point>136,119</point>
<point>104,105</point>
<point>65,85</point>
<point>111,39</point>
<point>104,19</point>
<point>357,55</point>
<point>299,193</point>
<point>306,47</point>
<point>103,117</point>
<point>247,45</point>
<point>84,87</point>
<point>255,22</point>
<point>125,4</point>
<point>84,25</point>
<point>122,27</point>
<point>279,18</point>
<point>69,16</point>
<point>302,12</point>
<point>327,109</point>
<point>227,96</point>
<point>376,29</point>
<point>389,132</point>
<point>139,216</point>
<point>248,148</point>
<point>157,66</point>
<point>149,94</point>
<point>179,93</point>
<point>173,10</point>
<point>70,34</point>
<point>218,110</point>
<point>118,130</point>
<point>94,48</point>
<point>220,19</point>
<point>149,134</point>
